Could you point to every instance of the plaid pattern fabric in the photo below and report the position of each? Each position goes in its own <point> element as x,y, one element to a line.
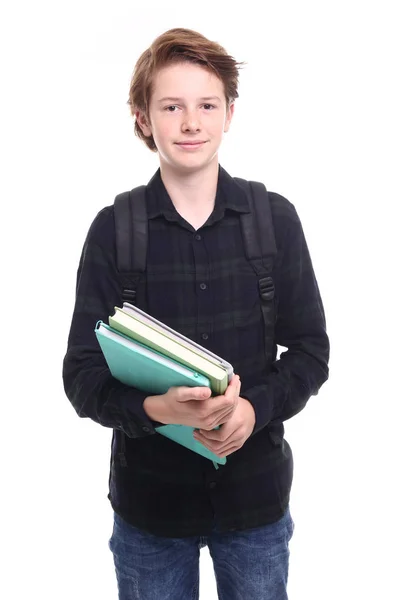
<point>200,283</point>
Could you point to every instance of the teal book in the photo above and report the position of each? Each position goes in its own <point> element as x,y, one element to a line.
<point>141,367</point>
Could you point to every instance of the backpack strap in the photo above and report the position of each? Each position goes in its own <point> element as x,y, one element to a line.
<point>260,247</point>
<point>131,233</point>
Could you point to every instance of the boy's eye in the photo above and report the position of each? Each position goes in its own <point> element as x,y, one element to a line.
<point>174,106</point>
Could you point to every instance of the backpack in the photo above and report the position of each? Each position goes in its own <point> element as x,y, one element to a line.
<point>131,232</point>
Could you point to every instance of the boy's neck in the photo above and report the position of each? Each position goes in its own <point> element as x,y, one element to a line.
<point>192,194</point>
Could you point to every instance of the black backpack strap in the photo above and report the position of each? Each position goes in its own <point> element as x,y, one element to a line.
<point>131,233</point>
<point>260,247</point>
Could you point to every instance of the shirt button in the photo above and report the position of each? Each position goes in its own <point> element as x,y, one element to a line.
<point>197,237</point>
<point>146,429</point>
<point>203,286</point>
<point>204,336</point>
<point>213,484</point>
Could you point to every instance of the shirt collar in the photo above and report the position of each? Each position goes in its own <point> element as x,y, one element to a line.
<point>229,196</point>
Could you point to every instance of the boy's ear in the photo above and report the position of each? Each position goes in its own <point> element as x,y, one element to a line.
<point>143,123</point>
<point>229,115</point>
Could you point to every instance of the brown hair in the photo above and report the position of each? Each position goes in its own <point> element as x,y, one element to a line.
<point>174,46</point>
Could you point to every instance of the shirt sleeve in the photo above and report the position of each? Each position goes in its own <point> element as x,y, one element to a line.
<point>88,383</point>
<point>300,327</point>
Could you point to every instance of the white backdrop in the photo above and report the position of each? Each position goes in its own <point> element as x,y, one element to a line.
<point>317,121</point>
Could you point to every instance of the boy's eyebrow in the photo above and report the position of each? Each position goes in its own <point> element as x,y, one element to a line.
<point>172,99</point>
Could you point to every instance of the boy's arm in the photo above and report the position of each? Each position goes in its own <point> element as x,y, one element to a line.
<point>88,383</point>
<point>300,327</point>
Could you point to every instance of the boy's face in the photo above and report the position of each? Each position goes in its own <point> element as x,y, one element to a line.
<point>188,117</point>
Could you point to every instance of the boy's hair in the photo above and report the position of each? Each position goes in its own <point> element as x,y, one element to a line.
<point>176,46</point>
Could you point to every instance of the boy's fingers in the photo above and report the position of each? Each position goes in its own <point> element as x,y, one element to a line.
<point>234,381</point>
<point>196,393</point>
<point>201,393</point>
<point>234,386</point>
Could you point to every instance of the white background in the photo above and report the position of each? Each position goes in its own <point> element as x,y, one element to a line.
<point>317,121</point>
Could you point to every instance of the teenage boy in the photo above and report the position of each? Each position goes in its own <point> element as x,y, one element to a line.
<point>169,502</point>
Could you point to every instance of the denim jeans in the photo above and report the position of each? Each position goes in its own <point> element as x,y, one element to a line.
<point>248,565</point>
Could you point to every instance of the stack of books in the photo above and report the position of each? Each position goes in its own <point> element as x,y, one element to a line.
<point>150,356</point>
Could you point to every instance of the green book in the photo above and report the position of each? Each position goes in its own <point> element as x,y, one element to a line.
<point>136,365</point>
<point>163,342</point>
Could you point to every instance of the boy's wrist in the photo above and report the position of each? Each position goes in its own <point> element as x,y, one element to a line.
<point>154,408</point>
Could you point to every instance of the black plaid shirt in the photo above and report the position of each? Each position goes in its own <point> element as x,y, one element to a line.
<point>159,485</point>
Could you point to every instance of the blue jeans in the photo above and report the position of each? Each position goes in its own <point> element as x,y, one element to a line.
<point>248,565</point>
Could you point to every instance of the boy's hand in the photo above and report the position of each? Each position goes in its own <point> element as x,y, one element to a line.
<point>194,406</point>
<point>232,435</point>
